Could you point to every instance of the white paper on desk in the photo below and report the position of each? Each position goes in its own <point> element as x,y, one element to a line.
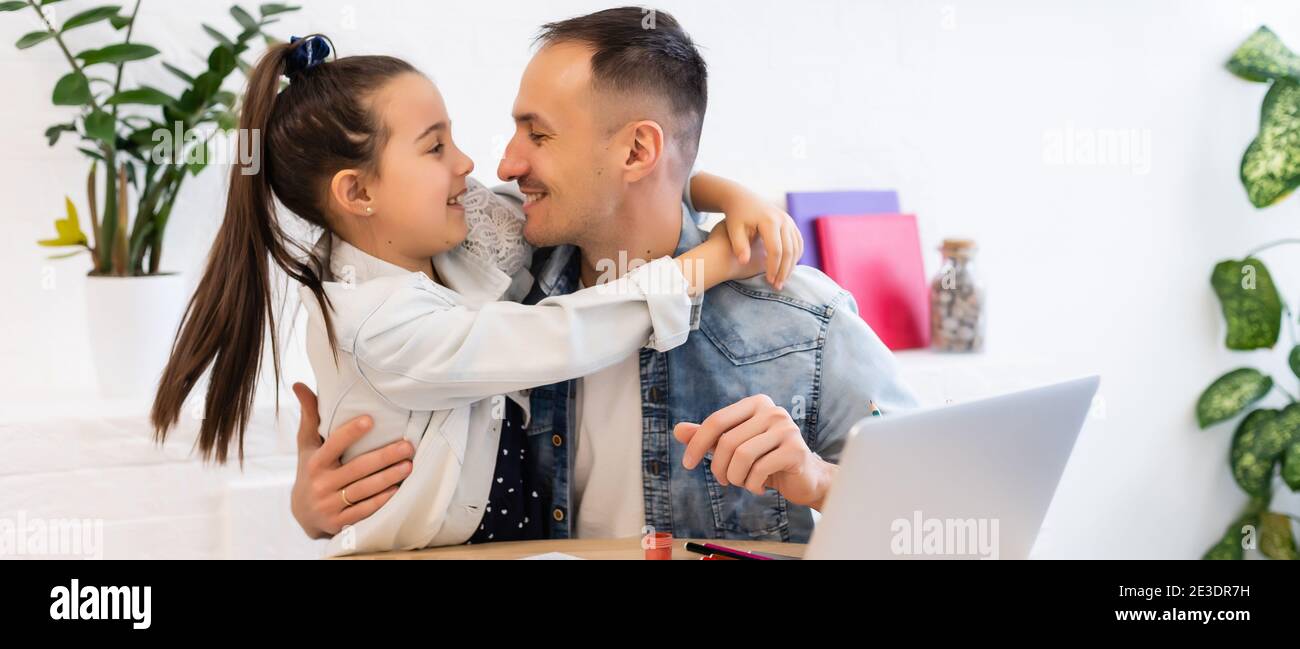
<point>552,556</point>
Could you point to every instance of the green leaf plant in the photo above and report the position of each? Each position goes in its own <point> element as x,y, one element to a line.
<point>1265,450</point>
<point>118,127</point>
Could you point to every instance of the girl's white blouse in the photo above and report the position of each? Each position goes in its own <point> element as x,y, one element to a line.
<point>433,363</point>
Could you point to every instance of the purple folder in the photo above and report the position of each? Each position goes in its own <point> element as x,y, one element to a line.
<point>805,207</point>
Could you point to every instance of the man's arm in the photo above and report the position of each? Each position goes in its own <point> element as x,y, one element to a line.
<point>857,368</point>
<point>756,444</point>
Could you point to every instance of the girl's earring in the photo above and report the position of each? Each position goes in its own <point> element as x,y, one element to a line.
<point>370,210</point>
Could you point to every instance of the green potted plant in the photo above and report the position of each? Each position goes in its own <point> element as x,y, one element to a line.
<point>142,144</point>
<point>1265,452</point>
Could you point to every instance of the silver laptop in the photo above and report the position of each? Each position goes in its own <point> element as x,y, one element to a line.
<point>965,481</point>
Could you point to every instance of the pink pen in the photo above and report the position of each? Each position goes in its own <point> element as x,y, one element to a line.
<point>739,554</point>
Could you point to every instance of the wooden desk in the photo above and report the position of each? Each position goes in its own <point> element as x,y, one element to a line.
<point>618,549</point>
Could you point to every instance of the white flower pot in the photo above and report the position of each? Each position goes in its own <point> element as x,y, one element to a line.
<point>132,322</point>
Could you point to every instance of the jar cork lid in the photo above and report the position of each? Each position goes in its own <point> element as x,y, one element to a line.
<point>958,248</point>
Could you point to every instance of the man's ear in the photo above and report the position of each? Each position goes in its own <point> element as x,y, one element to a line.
<point>645,149</point>
<point>349,196</point>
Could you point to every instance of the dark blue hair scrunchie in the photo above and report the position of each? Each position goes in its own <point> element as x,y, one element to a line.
<point>311,53</point>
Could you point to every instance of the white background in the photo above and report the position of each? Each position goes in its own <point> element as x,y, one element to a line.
<point>1096,268</point>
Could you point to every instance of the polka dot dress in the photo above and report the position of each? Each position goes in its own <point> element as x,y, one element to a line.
<point>514,509</point>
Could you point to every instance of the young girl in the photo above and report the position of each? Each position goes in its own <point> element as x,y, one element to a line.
<point>409,322</point>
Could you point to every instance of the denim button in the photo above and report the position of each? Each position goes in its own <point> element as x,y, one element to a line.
<point>556,440</point>
<point>558,514</point>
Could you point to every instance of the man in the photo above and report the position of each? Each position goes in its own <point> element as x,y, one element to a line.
<point>734,434</point>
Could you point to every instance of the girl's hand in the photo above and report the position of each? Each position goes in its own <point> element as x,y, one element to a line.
<point>748,215</point>
<point>780,237</point>
<point>723,250</point>
<point>714,262</point>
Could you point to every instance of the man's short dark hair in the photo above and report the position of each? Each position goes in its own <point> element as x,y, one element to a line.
<point>643,51</point>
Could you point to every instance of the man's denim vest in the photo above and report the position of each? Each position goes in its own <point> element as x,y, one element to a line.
<point>804,346</point>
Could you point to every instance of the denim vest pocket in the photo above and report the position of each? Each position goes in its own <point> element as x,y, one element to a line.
<point>748,326</point>
<point>740,514</point>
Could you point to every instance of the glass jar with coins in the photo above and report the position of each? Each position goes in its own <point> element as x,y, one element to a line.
<point>957,301</point>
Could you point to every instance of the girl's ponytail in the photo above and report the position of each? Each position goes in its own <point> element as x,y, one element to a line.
<point>230,312</point>
<point>319,125</point>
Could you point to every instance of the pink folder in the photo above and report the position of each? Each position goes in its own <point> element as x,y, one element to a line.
<point>877,258</point>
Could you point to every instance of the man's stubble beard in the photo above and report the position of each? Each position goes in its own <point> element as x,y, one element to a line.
<point>579,225</point>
